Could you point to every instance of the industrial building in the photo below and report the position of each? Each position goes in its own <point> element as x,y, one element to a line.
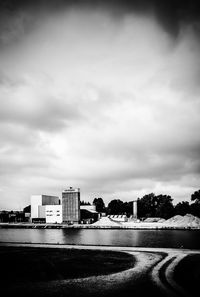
<point>89,214</point>
<point>46,209</point>
<point>71,205</point>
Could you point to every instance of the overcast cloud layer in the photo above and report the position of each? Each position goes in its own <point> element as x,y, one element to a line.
<point>108,102</point>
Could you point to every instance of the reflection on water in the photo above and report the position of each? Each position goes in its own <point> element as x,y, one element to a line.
<point>143,238</point>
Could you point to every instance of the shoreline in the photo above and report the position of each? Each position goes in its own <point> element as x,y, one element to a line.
<point>137,226</point>
<point>101,247</point>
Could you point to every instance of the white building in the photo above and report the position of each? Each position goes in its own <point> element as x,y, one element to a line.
<point>51,213</point>
<point>46,208</point>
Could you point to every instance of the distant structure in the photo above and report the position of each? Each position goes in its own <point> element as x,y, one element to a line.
<point>89,214</point>
<point>118,218</point>
<point>46,209</point>
<point>71,205</point>
<point>135,209</point>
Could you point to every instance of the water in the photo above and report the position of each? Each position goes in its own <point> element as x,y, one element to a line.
<point>140,238</point>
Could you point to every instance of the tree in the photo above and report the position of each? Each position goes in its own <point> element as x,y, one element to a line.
<point>182,208</point>
<point>196,196</point>
<point>115,207</point>
<point>99,203</point>
<point>127,208</point>
<point>4,216</point>
<point>147,205</point>
<point>165,208</point>
<point>151,205</point>
<point>195,209</point>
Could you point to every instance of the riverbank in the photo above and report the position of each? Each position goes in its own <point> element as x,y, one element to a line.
<point>177,222</point>
<point>134,226</point>
<point>151,272</point>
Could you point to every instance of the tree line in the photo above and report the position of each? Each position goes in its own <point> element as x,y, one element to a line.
<point>151,205</point>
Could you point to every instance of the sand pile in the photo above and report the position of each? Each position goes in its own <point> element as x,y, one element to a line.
<point>183,221</point>
<point>105,221</point>
<point>187,221</point>
<point>161,221</point>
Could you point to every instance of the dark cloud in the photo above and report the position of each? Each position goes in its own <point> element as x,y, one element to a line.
<point>170,13</point>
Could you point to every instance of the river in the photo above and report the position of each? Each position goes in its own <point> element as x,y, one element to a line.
<point>138,238</point>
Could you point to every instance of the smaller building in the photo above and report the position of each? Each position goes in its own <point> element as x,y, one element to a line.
<point>89,214</point>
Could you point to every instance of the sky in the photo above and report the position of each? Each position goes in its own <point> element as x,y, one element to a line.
<point>100,95</point>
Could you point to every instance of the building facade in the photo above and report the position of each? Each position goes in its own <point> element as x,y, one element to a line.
<point>51,213</point>
<point>45,208</point>
<point>71,205</point>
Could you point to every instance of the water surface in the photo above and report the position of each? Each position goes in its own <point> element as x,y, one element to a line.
<point>137,238</point>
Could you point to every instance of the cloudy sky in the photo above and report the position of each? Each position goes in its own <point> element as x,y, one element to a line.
<point>101,95</point>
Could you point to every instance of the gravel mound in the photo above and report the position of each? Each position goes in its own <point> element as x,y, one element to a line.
<point>178,221</point>
<point>184,221</point>
<point>105,221</point>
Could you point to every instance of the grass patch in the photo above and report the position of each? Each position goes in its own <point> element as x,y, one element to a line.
<point>20,264</point>
<point>187,273</point>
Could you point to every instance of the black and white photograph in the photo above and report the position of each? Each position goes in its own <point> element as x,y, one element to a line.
<point>100,148</point>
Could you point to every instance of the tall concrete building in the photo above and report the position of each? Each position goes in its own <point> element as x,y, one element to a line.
<point>71,205</point>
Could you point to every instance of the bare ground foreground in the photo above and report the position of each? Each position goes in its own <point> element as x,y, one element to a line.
<point>63,270</point>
